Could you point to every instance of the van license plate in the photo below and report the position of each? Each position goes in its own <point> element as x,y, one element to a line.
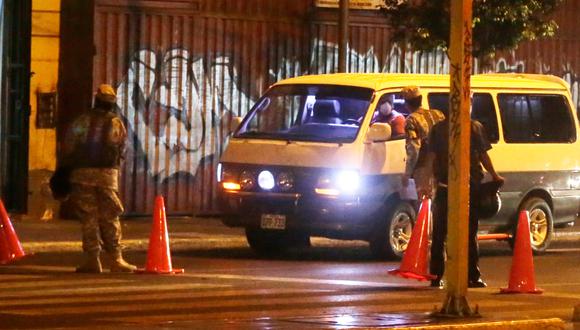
<point>273,221</point>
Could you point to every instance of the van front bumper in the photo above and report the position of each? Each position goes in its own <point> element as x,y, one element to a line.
<point>343,217</point>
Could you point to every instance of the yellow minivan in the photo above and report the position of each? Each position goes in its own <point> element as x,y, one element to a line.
<point>307,160</point>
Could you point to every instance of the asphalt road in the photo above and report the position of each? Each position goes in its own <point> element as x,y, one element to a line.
<point>334,284</point>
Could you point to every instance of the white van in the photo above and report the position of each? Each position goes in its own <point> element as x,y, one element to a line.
<point>307,161</point>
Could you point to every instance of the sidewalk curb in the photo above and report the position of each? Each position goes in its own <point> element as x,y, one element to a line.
<point>176,244</point>
<point>540,324</point>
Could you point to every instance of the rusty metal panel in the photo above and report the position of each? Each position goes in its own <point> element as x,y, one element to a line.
<point>14,105</point>
<point>370,47</point>
<point>183,68</point>
<point>559,56</point>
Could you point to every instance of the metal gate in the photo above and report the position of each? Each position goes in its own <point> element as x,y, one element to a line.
<point>182,68</point>
<point>15,108</point>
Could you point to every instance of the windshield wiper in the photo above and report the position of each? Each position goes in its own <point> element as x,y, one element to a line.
<point>292,137</point>
<point>253,134</point>
<point>303,135</point>
<point>315,138</point>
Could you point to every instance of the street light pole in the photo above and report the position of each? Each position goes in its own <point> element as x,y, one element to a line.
<point>455,303</point>
<point>343,36</point>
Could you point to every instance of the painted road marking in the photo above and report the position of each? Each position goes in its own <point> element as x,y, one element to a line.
<point>110,289</point>
<point>139,244</point>
<point>169,293</point>
<point>304,309</point>
<point>564,250</point>
<point>367,283</point>
<point>250,304</point>
<point>31,268</point>
<point>300,280</point>
<point>546,293</point>
<point>54,282</point>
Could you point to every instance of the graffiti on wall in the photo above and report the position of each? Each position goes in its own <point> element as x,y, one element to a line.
<point>566,72</point>
<point>574,80</point>
<point>405,61</point>
<point>571,77</point>
<point>503,64</point>
<point>175,102</point>
<point>169,100</point>
<point>324,59</point>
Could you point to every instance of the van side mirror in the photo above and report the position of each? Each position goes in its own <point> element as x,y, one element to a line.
<point>234,123</point>
<point>378,132</point>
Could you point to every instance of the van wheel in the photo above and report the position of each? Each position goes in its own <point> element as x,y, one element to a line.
<point>541,224</point>
<point>393,233</point>
<point>272,242</point>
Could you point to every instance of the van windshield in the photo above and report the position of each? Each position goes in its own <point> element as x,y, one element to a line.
<point>321,113</point>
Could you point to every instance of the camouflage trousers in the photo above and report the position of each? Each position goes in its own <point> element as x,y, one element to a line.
<point>99,210</point>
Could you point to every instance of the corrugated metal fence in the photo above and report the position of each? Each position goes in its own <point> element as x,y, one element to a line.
<point>182,68</point>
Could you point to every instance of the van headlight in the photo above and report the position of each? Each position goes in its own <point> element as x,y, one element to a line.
<point>226,174</point>
<point>247,180</point>
<point>266,180</point>
<point>344,182</point>
<point>228,178</point>
<point>348,181</point>
<point>285,181</point>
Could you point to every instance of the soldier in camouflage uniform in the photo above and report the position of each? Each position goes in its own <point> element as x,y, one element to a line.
<point>417,127</point>
<point>93,148</point>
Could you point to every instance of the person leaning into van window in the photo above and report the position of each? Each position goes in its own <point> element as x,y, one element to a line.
<point>386,114</point>
<point>417,127</point>
<point>436,164</point>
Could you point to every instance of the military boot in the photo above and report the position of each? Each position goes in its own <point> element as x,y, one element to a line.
<point>92,263</point>
<point>119,265</point>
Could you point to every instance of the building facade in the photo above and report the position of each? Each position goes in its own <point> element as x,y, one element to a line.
<point>183,68</point>
<point>44,63</point>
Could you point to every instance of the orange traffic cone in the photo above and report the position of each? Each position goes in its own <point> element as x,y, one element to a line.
<point>414,264</point>
<point>159,255</point>
<point>10,248</point>
<point>522,279</point>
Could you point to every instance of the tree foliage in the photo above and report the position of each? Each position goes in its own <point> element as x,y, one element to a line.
<point>497,24</point>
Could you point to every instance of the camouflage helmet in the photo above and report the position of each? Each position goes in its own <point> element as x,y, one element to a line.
<point>410,92</point>
<point>106,93</point>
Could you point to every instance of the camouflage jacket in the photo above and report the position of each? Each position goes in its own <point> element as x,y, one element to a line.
<point>417,127</point>
<point>93,148</point>
<point>96,138</point>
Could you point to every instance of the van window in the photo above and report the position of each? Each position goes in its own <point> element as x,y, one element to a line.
<point>482,107</point>
<point>536,118</point>
<point>395,118</point>
<point>323,113</point>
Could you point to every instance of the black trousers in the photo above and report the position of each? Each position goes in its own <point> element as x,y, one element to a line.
<point>437,264</point>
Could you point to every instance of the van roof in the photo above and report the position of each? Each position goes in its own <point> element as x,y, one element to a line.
<point>378,81</point>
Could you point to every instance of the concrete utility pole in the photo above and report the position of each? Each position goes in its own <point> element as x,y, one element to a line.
<point>455,303</point>
<point>343,36</point>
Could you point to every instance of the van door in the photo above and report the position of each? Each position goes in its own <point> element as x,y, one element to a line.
<point>541,148</point>
<point>483,110</point>
<point>386,159</point>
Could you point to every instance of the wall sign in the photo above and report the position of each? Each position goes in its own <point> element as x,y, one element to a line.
<point>46,110</point>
